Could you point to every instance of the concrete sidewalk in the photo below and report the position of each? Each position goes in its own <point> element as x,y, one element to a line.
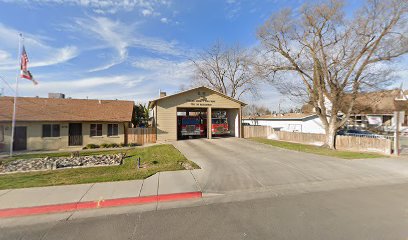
<point>162,183</point>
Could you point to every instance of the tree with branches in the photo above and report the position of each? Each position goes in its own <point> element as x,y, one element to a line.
<point>227,70</point>
<point>141,115</point>
<point>329,57</point>
<point>256,110</point>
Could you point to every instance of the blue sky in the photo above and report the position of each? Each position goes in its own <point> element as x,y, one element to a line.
<point>127,49</point>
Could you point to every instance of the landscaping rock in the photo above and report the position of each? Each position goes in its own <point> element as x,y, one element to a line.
<point>187,166</point>
<point>52,163</point>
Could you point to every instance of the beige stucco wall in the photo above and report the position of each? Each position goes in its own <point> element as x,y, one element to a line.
<point>166,109</point>
<point>233,121</point>
<point>35,141</point>
<point>104,138</point>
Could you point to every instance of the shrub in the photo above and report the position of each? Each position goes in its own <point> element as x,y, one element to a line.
<point>132,145</point>
<point>122,145</point>
<point>113,145</point>
<point>104,145</point>
<point>91,146</point>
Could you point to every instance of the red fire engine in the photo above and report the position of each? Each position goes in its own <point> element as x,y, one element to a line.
<point>192,126</point>
<point>219,124</point>
<point>197,125</point>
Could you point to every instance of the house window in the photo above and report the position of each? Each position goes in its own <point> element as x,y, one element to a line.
<point>113,130</point>
<point>1,133</point>
<point>96,130</point>
<point>50,130</point>
<point>387,120</point>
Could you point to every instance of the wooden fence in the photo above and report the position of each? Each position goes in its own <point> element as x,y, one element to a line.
<point>364,144</point>
<point>141,136</point>
<point>307,138</point>
<point>349,143</point>
<point>257,131</point>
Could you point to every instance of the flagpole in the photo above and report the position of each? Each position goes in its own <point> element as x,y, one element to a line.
<point>13,123</point>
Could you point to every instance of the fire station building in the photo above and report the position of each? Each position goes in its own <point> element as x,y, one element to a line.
<point>198,112</point>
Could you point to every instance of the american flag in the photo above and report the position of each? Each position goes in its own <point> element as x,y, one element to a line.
<point>24,67</point>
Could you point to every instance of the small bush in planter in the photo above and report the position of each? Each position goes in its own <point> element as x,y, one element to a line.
<point>113,145</point>
<point>104,145</point>
<point>122,145</point>
<point>91,146</point>
<point>132,145</point>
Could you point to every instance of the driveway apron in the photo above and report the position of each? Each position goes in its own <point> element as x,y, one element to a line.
<point>231,164</point>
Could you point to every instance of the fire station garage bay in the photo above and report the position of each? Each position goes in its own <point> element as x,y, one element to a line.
<point>196,113</point>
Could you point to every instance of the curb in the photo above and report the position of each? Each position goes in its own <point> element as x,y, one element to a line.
<point>67,207</point>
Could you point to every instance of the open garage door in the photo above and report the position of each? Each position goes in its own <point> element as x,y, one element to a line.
<point>225,122</point>
<point>233,122</point>
<point>194,123</point>
<point>191,123</point>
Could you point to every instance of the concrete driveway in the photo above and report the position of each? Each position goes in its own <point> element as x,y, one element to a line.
<point>232,164</point>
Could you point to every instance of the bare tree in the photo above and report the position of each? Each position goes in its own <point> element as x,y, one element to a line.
<point>256,110</point>
<point>334,57</point>
<point>227,70</point>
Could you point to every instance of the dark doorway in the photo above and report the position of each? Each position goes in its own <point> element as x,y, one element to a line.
<point>75,134</point>
<point>191,123</point>
<point>20,138</point>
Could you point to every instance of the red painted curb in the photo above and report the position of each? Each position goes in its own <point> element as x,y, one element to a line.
<point>67,207</point>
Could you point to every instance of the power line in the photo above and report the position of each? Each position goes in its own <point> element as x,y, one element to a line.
<point>7,84</point>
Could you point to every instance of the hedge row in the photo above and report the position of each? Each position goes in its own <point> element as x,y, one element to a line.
<point>109,145</point>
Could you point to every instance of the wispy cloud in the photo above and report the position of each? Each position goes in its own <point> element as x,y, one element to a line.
<point>4,56</point>
<point>104,6</point>
<point>165,73</point>
<point>120,37</point>
<point>164,20</point>
<point>110,42</point>
<point>58,56</point>
<point>157,64</point>
<point>233,8</point>
<point>122,87</point>
<point>112,33</point>
<point>6,61</point>
<point>44,54</point>
<point>81,87</point>
<point>146,12</point>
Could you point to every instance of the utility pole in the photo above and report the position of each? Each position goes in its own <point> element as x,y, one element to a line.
<point>396,133</point>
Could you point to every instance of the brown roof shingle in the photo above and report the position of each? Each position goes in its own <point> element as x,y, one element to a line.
<point>69,110</point>
<point>379,102</point>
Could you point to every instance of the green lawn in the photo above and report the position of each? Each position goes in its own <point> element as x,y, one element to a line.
<point>157,158</point>
<point>317,150</point>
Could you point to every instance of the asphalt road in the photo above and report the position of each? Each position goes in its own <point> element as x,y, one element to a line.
<point>379,212</point>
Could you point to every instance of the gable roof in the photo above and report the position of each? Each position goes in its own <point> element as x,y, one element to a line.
<point>285,116</point>
<point>69,110</point>
<point>379,102</point>
<point>153,102</point>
